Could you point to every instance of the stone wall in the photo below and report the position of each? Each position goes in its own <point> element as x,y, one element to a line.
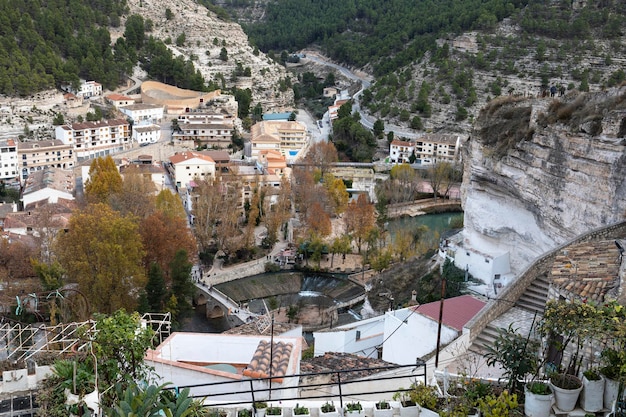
<point>497,307</point>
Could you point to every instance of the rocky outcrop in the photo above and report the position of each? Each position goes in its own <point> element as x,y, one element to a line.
<point>205,36</point>
<point>539,172</point>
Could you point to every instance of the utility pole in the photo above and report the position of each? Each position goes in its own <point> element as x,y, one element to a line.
<point>443,294</point>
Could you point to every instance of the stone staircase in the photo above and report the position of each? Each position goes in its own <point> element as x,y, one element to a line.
<point>535,296</point>
<point>485,338</point>
<point>521,315</point>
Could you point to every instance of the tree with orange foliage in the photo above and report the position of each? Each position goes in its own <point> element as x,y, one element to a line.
<point>162,237</point>
<point>359,218</point>
<point>318,220</point>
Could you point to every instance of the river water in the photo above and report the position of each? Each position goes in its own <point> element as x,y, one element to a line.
<point>436,223</point>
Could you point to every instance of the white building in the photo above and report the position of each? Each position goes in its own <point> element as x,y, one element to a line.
<point>8,160</point>
<point>90,89</point>
<point>49,186</point>
<point>400,151</point>
<point>202,358</point>
<point>143,113</point>
<point>95,139</point>
<point>119,100</point>
<point>362,338</point>
<point>186,166</point>
<point>433,148</point>
<point>145,134</point>
<point>35,156</point>
<point>404,335</point>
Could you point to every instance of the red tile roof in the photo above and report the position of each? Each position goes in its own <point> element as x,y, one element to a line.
<point>457,311</point>
<point>259,366</point>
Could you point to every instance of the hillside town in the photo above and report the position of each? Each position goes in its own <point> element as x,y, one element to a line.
<point>164,253</point>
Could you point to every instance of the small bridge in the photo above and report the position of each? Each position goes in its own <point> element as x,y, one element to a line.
<point>217,304</point>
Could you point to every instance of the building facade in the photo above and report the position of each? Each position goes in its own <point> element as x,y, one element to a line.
<point>8,160</point>
<point>35,156</point>
<point>433,148</point>
<point>146,134</point>
<point>184,167</point>
<point>90,89</point>
<point>95,139</point>
<point>143,113</point>
<point>400,151</point>
<point>286,137</point>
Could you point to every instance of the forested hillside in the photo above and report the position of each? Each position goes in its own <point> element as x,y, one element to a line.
<point>50,43</point>
<point>387,34</point>
<point>436,63</point>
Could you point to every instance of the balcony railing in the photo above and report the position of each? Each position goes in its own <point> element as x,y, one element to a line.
<point>339,386</point>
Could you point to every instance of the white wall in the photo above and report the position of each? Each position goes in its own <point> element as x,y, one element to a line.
<point>344,338</point>
<point>411,336</point>
<point>48,194</point>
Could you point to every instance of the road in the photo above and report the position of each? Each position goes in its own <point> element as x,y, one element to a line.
<point>365,81</point>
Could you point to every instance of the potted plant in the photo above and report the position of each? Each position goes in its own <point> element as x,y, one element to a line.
<point>424,395</point>
<point>538,398</point>
<point>301,411</point>
<point>244,412</point>
<point>611,373</point>
<point>273,411</point>
<point>383,409</point>
<point>260,408</point>
<point>408,407</point>
<point>329,410</point>
<point>566,389</point>
<point>354,409</point>
<point>592,395</point>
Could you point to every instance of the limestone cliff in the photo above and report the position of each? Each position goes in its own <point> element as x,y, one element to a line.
<point>539,172</point>
<point>205,36</point>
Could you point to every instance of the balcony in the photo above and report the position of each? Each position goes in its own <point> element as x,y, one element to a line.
<point>340,386</point>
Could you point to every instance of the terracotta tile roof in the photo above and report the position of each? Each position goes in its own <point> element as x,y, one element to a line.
<point>457,311</point>
<point>183,156</point>
<point>259,366</point>
<point>397,142</point>
<point>333,361</point>
<point>588,270</point>
<point>117,97</point>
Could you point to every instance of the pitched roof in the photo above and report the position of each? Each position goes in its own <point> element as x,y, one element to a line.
<point>397,142</point>
<point>588,270</point>
<point>261,366</point>
<point>184,156</point>
<point>333,361</point>
<point>457,311</point>
<point>118,97</point>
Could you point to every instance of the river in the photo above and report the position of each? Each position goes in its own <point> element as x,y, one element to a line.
<point>437,224</point>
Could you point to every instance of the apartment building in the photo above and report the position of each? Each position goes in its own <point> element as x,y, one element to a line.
<point>95,139</point>
<point>36,156</point>
<point>433,148</point>
<point>210,129</point>
<point>286,137</point>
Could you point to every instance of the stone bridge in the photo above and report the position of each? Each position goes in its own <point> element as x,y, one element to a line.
<point>217,304</point>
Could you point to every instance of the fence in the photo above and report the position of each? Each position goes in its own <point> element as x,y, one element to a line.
<point>337,385</point>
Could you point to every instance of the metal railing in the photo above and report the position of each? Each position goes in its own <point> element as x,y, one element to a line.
<point>336,385</point>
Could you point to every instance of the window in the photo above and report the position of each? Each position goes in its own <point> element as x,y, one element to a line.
<point>358,335</point>
<point>486,260</point>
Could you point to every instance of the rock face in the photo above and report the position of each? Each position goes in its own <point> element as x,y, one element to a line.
<point>539,172</point>
<point>205,36</point>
